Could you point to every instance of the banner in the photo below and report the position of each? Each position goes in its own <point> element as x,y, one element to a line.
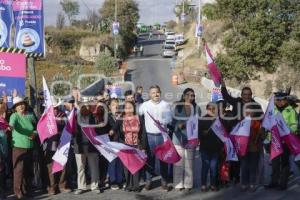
<point>192,132</point>
<point>199,30</point>
<point>47,126</point>
<point>216,94</point>
<point>5,22</point>
<point>29,21</point>
<point>214,71</point>
<point>12,75</point>
<point>61,155</point>
<point>220,131</point>
<point>240,136</point>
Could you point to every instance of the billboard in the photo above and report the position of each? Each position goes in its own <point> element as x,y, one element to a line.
<point>5,22</point>
<point>12,74</point>
<point>29,22</point>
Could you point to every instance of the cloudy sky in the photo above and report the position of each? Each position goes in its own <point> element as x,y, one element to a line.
<point>150,10</point>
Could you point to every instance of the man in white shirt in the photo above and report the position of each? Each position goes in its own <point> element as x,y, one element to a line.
<point>161,111</point>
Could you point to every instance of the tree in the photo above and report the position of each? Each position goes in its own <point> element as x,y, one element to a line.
<point>71,8</point>
<point>259,28</point>
<point>106,63</point>
<point>127,16</point>
<point>60,20</point>
<point>93,20</point>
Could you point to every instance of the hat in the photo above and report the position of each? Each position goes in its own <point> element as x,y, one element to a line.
<point>17,100</point>
<point>281,94</point>
<point>114,96</point>
<point>70,99</point>
<point>55,103</point>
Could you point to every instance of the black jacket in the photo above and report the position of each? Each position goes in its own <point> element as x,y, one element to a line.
<point>78,140</point>
<point>238,105</point>
<point>209,141</point>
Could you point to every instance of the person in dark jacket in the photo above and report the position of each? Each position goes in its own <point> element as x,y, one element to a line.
<point>58,179</point>
<point>115,167</point>
<point>139,95</point>
<point>85,151</point>
<point>103,128</point>
<point>238,104</point>
<point>131,132</point>
<point>210,148</point>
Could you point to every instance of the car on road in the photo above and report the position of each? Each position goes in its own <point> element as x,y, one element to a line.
<point>170,43</point>
<point>168,51</point>
<point>179,39</point>
<point>170,35</point>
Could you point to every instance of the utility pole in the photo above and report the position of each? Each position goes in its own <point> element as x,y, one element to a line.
<point>115,37</point>
<point>199,23</point>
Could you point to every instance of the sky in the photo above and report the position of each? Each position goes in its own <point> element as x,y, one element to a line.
<point>151,11</point>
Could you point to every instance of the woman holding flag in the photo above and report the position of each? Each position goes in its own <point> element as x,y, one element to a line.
<point>58,179</point>
<point>250,161</point>
<point>185,109</point>
<point>210,148</point>
<point>131,132</point>
<point>23,134</point>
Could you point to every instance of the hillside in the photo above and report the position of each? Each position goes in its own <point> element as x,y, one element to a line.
<point>283,74</point>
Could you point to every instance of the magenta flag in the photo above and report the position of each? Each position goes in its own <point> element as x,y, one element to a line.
<point>3,124</point>
<point>269,123</point>
<point>47,126</point>
<point>165,152</point>
<point>276,146</point>
<point>132,158</point>
<point>214,71</point>
<point>61,155</point>
<point>222,134</point>
<point>240,136</point>
<point>287,136</point>
<point>192,132</point>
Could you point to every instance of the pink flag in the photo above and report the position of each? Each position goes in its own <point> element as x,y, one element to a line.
<point>60,157</point>
<point>289,138</point>
<point>100,143</point>
<point>3,124</point>
<point>47,126</point>
<point>269,123</point>
<point>222,134</point>
<point>165,152</point>
<point>240,136</point>
<point>132,158</point>
<point>276,146</point>
<point>212,67</point>
<point>192,132</point>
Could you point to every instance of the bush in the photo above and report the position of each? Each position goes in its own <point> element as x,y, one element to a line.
<point>106,64</point>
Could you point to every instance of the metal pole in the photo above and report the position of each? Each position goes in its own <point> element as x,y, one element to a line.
<point>32,84</point>
<point>115,39</point>
<point>199,22</point>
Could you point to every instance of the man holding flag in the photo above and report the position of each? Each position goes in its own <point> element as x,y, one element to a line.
<point>160,110</point>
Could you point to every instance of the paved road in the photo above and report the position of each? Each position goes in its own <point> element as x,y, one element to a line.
<point>152,69</point>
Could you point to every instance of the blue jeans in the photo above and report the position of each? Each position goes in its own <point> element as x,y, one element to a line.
<point>209,163</point>
<point>249,166</point>
<point>154,140</point>
<point>115,171</point>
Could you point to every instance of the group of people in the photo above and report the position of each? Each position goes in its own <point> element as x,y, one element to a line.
<point>130,121</point>
<point>137,49</point>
